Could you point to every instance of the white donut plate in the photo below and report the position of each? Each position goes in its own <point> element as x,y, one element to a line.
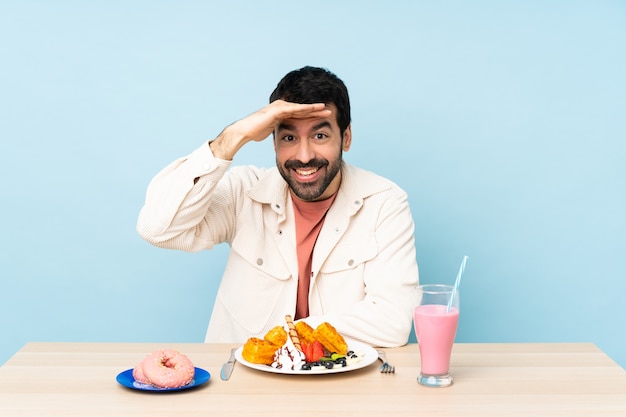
<point>367,354</point>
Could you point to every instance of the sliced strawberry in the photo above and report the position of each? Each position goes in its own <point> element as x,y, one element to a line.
<point>307,349</point>
<point>317,351</point>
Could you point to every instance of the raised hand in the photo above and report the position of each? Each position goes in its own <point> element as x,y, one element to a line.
<point>260,124</point>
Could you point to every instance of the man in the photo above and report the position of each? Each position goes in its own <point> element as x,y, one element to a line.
<point>314,237</point>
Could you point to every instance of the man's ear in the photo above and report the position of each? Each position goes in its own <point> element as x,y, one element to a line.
<point>347,138</point>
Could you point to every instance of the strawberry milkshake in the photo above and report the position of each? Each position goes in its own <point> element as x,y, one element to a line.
<point>435,327</point>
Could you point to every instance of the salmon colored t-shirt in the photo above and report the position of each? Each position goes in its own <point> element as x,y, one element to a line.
<point>309,216</point>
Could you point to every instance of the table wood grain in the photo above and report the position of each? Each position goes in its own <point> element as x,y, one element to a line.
<point>526,379</point>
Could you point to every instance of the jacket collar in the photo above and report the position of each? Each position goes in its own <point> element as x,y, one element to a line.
<point>356,185</point>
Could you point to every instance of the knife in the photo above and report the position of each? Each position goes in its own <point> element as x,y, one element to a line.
<point>228,366</point>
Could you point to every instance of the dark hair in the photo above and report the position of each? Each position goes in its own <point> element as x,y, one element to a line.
<point>315,85</point>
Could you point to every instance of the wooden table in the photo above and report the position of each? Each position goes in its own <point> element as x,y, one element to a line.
<point>78,379</point>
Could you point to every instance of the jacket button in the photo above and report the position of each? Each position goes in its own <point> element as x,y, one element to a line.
<point>351,262</point>
<point>259,261</point>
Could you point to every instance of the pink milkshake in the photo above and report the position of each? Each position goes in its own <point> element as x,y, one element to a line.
<point>436,318</point>
<point>435,329</point>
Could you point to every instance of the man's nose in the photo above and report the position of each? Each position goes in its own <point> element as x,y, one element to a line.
<point>304,152</point>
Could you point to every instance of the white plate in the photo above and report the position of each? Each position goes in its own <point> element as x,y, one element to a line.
<point>367,353</point>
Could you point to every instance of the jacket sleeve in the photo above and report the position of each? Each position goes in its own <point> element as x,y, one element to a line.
<point>179,202</point>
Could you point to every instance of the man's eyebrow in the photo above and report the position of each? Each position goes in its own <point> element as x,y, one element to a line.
<point>320,125</point>
<point>285,126</point>
<point>323,124</point>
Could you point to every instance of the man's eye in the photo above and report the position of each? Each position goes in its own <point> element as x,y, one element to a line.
<point>288,138</point>
<point>320,136</point>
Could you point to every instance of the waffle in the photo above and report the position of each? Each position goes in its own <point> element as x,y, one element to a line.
<point>276,336</point>
<point>305,332</point>
<point>260,351</point>
<point>330,339</point>
<point>257,350</point>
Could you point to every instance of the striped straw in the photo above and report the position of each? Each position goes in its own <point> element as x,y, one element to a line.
<point>457,282</point>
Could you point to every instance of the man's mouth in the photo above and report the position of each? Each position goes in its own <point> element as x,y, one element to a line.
<point>305,172</point>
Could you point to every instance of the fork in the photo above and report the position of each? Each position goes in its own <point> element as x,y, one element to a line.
<point>386,367</point>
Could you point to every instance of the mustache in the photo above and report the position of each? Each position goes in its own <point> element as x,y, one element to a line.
<point>313,163</point>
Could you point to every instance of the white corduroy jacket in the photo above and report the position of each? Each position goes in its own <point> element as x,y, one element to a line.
<point>364,269</point>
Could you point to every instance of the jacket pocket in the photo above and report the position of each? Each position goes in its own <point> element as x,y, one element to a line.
<point>256,281</point>
<point>350,255</point>
<point>341,281</point>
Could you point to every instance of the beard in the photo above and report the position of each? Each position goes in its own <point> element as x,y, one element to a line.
<point>310,191</point>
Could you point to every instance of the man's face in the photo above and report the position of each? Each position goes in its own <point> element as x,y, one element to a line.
<point>308,155</point>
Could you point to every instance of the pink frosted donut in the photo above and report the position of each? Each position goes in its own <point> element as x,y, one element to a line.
<point>167,368</point>
<point>139,375</point>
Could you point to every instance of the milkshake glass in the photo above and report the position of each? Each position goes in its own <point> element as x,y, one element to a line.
<point>436,319</point>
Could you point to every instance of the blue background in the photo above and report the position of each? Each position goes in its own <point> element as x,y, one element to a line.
<point>504,121</point>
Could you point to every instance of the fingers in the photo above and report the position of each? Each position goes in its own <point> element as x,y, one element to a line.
<point>287,110</point>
